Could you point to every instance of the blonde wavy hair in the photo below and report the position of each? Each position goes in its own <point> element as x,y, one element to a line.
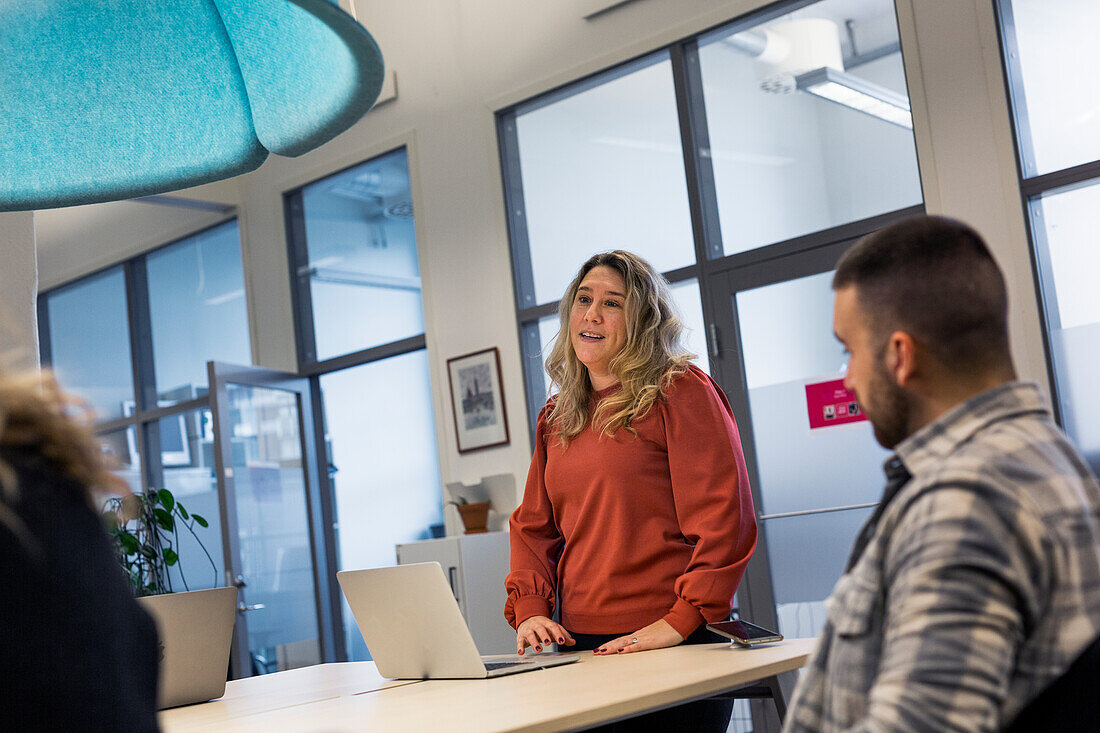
<point>52,429</point>
<point>651,357</point>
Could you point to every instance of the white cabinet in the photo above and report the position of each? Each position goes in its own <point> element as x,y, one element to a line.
<point>475,565</point>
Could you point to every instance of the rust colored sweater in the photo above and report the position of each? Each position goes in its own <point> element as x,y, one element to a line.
<point>627,530</point>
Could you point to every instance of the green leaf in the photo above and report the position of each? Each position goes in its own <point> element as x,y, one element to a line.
<point>166,499</point>
<point>164,519</point>
<point>149,552</point>
<point>128,542</point>
<point>182,511</point>
<point>200,520</point>
<point>170,557</point>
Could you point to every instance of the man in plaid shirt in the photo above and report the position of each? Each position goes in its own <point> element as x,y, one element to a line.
<point>977,581</point>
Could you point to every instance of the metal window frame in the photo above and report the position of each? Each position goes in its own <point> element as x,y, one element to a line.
<point>146,417</point>
<point>309,367</point>
<point>1033,187</point>
<point>715,271</point>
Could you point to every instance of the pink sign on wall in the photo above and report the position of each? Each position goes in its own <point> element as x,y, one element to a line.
<point>829,403</point>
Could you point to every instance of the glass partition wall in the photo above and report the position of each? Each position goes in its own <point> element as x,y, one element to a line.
<point>742,162</point>
<point>1049,54</point>
<point>360,327</point>
<point>132,341</point>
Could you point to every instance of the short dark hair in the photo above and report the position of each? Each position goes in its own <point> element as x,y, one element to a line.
<point>934,278</point>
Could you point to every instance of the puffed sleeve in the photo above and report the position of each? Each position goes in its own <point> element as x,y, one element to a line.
<point>710,487</point>
<point>536,541</point>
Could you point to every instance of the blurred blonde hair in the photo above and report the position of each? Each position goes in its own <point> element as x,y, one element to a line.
<point>651,357</point>
<point>52,429</point>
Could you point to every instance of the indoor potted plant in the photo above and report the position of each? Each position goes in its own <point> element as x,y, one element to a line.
<point>145,528</point>
<point>475,517</point>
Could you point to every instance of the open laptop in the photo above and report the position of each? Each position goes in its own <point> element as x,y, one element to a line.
<point>414,628</point>
<point>195,631</point>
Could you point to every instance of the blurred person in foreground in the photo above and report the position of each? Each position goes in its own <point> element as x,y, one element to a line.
<point>976,582</point>
<point>636,522</point>
<point>77,651</point>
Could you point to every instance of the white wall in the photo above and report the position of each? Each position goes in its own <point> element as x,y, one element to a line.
<point>18,317</point>
<point>458,62</point>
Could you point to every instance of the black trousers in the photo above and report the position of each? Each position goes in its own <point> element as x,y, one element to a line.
<point>702,716</point>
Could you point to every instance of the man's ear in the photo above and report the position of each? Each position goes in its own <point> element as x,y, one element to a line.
<point>901,357</point>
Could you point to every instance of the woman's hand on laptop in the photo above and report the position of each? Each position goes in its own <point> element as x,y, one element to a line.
<point>657,635</point>
<point>539,631</point>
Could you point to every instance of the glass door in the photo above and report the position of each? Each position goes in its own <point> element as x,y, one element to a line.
<point>272,518</point>
<point>814,463</point>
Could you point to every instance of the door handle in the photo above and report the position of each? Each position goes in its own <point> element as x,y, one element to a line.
<point>241,607</point>
<point>452,574</point>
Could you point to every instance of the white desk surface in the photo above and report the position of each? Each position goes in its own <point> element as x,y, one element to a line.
<point>277,691</point>
<point>352,697</point>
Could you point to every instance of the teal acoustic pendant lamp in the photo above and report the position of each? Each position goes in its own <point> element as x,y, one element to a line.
<point>103,100</point>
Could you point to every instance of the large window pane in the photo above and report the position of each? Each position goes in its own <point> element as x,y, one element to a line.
<point>363,272</point>
<point>272,515</point>
<point>802,579</point>
<point>1053,57</point>
<point>1066,225</point>
<point>90,342</point>
<point>604,169</point>
<point>186,450</point>
<point>835,466</point>
<point>198,312</point>
<point>789,163</point>
<point>690,305</point>
<point>803,469</point>
<point>385,465</point>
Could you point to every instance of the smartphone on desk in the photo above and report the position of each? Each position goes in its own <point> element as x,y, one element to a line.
<point>745,633</point>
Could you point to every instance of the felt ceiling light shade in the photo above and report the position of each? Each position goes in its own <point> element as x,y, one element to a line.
<point>103,100</point>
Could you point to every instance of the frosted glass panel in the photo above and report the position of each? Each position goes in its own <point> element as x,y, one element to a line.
<point>604,169</point>
<point>269,490</point>
<point>787,331</point>
<point>363,271</point>
<point>800,468</point>
<point>787,163</point>
<point>186,445</point>
<point>90,342</point>
<point>548,333</point>
<point>690,305</point>
<point>384,463</point>
<point>1068,222</point>
<point>198,311</point>
<point>803,469</point>
<point>807,555</point>
<point>1076,352</point>
<point>1058,57</point>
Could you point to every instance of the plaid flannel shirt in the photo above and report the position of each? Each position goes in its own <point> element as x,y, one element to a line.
<point>978,587</point>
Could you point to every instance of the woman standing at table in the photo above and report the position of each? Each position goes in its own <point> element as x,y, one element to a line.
<point>637,521</point>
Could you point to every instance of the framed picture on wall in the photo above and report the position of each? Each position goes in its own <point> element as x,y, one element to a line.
<point>477,397</point>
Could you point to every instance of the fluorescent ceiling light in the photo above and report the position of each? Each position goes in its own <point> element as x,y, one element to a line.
<point>858,94</point>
